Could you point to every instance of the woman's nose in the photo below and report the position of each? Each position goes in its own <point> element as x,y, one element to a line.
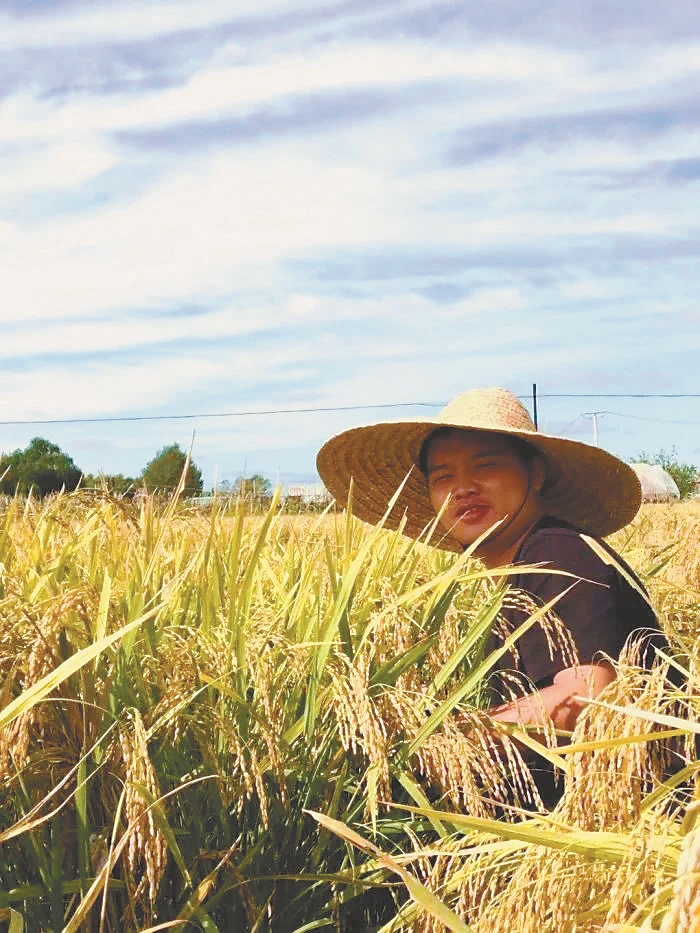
<point>465,485</point>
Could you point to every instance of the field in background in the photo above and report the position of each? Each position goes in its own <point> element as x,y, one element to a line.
<point>180,690</point>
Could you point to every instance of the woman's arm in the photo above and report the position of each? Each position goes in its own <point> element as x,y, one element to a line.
<point>557,700</point>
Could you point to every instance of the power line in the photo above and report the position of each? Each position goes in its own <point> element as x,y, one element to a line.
<point>326,408</point>
<point>616,395</point>
<point>619,414</point>
<point>570,425</point>
<point>220,414</point>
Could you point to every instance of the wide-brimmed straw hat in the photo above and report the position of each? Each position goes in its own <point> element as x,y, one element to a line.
<point>585,485</point>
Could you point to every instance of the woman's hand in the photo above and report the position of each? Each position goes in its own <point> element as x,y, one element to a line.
<point>558,700</point>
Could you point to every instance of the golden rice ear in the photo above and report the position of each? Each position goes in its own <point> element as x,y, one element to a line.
<point>147,851</point>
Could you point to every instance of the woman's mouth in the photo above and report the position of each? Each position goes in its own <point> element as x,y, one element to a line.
<point>470,514</point>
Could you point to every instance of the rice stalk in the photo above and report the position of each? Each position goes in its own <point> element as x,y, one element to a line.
<point>257,666</point>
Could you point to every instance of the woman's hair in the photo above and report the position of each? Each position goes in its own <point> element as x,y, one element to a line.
<point>525,452</point>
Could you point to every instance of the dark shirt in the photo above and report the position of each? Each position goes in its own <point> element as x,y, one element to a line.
<point>600,615</point>
<point>601,611</point>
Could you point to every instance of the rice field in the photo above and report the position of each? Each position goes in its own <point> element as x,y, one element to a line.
<point>275,723</point>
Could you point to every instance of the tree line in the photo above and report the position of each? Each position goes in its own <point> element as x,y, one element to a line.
<point>42,468</point>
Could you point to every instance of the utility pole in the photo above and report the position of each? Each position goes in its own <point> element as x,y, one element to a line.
<point>594,416</point>
<point>534,403</point>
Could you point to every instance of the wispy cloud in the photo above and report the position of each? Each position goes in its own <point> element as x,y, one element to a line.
<point>331,202</point>
<point>621,125</point>
<point>52,24</point>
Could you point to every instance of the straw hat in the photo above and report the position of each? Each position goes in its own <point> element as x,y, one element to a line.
<point>585,485</point>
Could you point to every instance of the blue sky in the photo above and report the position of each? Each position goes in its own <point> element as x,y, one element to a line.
<point>306,204</point>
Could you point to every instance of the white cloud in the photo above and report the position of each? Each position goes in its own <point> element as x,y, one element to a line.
<point>226,367</point>
<point>125,21</point>
<point>88,338</point>
<point>55,166</point>
<point>57,338</point>
<point>200,233</point>
<point>221,224</point>
<point>59,391</point>
<point>209,228</point>
<point>217,91</point>
<point>107,387</point>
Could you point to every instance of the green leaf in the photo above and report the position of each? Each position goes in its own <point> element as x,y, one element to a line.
<point>420,894</point>
<point>34,694</point>
<point>609,847</point>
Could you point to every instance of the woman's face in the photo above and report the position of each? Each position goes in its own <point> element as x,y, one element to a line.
<point>483,479</point>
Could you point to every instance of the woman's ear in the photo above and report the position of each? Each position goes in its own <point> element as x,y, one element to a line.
<point>538,473</point>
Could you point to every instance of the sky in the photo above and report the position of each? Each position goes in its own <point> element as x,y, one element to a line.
<point>221,207</point>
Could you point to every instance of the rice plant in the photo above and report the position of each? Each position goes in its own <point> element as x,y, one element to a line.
<point>621,851</point>
<point>182,691</point>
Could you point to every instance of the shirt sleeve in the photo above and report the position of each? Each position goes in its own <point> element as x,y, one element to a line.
<point>589,610</point>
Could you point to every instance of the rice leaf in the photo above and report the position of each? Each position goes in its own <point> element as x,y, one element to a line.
<point>475,677</point>
<point>425,898</point>
<point>34,694</point>
<point>599,846</point>
<point>16,924</point>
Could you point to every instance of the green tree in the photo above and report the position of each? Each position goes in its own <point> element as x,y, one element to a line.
<point>685,475</point>
<point>256,486</point>
<point>41,467</point>
<point>255,490</point>
<point>116,483</point>
<point>162,474</point>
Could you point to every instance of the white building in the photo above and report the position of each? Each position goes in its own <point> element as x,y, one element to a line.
<point>657,484</point>
<point>309,493</point>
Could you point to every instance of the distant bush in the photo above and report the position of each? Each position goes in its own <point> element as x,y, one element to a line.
<point>42,468</point>
<point>116,483</point>
<point>295,505</point>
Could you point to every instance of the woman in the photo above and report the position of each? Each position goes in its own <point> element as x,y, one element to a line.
<point>516,496</point>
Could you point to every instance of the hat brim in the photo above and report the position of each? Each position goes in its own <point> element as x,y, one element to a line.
<point>585,485</point>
